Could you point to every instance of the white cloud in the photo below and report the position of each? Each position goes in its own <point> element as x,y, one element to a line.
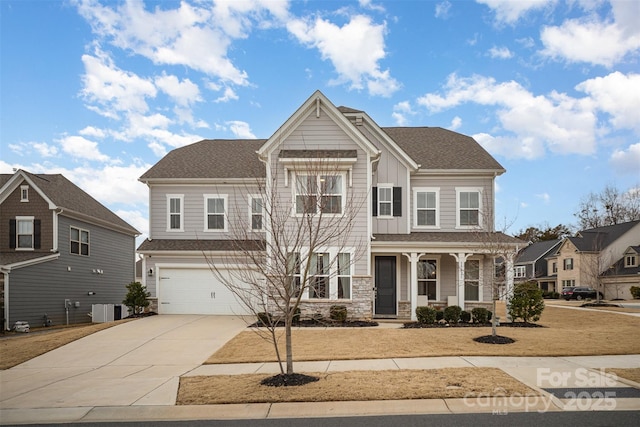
<point>545,197</point>
<point>91,131</point>
<point>554,121</point>
<point>595,40</point>
<point>400,112</point>
<point>500,52</point>
<point>240,129</point>
<point>510,11</point>
<point>367,4</point>
<point>617,95</point>
<point>45,150</point>
<point>229,95</point>
<point>442,9</point>
<point>139,220</point>
<point>456,122</point>
<point>626,161</point>
<point>26,148</point>
<point>184,92</point>
<point>356,62</point>
<point>82,148</point>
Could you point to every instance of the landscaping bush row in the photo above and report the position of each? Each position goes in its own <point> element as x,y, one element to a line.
<point>635,292</point>
<point>452,314</point>
<point>550,295</point>
<point>338,316</point>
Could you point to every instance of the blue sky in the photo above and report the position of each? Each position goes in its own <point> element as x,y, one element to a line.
<point>100,90</point>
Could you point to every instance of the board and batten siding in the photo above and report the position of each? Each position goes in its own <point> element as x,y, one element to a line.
<point>322,133</point>
<point>43,288</point>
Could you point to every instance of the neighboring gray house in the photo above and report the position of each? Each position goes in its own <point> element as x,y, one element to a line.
<point>622,275</point>
<point>531,265</point>
<point>429,202</point>
<point>60,251</point>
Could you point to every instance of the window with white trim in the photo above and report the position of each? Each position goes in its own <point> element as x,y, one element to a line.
<point>24,193</point>
<point>256,213</point>
<point>344,275</point>
<point>319,193</point>
<point>567,264</point>
<point>319,275</point>
<point>215,212</point>
<point>175,217</point>
<point>630,261</point>
<point>472,282</point>
<point>468,202</point>
<point>385,201</point>
<point>426,207</point>
<point>567,283</point>
<point>519,271</point>
<point>428,278</point>
<point>79,241</point>
<point>24,232</point>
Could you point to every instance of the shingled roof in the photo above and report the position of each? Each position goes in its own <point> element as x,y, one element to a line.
<point>596,239</point>
<point>66,195</point>
<point>211,158</point>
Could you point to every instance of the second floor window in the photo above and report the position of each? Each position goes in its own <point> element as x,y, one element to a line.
<point>319,193</point>
<point>24,232</point>
<point>568,264</point>
<point>520,271</point>
<point>468,208</point>
<point>79,241</point>
<point>215,214</point>
<point>174,212</point>
<point>554,267</point>
<point>426,202</point>
<point>385,201</point>
<point>256,213</point>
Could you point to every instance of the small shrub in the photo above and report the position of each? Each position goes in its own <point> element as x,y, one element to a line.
<point>480,315</point>
<point>439,315</point>
<point>635,292</point>
<point>338,313</point>
<point>136,298</point>
<point>426,315</point>
<point>526,303</point>
<point>264,318</point>
<point>452,314</point>
<point>465,316</point>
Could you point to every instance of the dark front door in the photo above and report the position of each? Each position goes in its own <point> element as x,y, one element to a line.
<point>385,285</point>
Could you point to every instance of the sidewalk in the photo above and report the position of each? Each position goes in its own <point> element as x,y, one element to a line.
<point>587,387</point>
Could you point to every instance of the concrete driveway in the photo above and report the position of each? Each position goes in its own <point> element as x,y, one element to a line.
<point>134,363</point>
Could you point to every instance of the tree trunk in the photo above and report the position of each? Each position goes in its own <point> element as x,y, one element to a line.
<point>289,350</point>
<point>494,319</point>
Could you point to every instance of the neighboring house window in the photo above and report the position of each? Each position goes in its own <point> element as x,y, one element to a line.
<point>566,283</point>
<point>175,206</point>
<point>554,267</point>
<point>472,280</point>
<point>568,263</point>
<point>319,193</point>
<point>386,201</point>
<point>428,278</point>
<point>256,213</point>
<point>520,271</point>
<point>24,233</point>
<point>630,261</point>
<point>344,275</point>
<point>215,212</point>
<point>24,193</point>
<point>319,271</point>
<point>468,201</point>
<point>426,205</point>
<point>79,240</point>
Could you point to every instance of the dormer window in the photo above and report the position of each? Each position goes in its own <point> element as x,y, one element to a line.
<point>24,193</point>
<point>630,261</point>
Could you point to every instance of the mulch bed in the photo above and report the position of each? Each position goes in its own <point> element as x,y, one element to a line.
<point>323,323</point>
<point>287,380</point>
<point>418,325</point>
<point>497,339</point>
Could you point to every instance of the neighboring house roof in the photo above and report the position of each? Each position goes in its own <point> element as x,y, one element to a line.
<point>596,239</point>
<point>211,158</point>
<point>68,197</point>
<point>437,148</point>
<point>535,251</point>
<point>199,245</point>
<point>619,269</point>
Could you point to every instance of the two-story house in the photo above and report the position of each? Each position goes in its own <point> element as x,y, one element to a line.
<point>419,237</point>
<point>532,265</point>
<point>60,251</point>
<point>622,275</point>
<point>582,259</point>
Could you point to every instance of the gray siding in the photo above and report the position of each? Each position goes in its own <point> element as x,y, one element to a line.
<point>42,288</point>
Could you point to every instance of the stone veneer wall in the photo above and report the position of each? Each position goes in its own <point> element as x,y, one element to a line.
<point>404,309</point>
<point>360,306</point>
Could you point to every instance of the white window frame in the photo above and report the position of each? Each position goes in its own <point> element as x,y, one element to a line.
<point>225,200</point>
<point>519,272</point>
<point>417,190</point>
<point>381,188</point>
<point>341,274</point>
<point>253,197</point>
<point>332,288</point>
<point>567,264</point>
<point>480,280</point>
<point>169,213</point>
<point>24,193</point>
<point>630,260</point>
<point>27,219</point>
<point>80,243</point>
<point>437,260</point>
<point>568,283</point>
<point>319,194</point>
<point>459,191</point>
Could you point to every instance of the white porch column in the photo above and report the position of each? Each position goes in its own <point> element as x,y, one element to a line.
<point>509,273</point>
<point>413,281</point>
<point>461,258</point>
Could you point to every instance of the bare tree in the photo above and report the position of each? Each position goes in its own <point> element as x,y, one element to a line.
<point>593,264</point>
<point>289,261</point>
<point>609,207</point>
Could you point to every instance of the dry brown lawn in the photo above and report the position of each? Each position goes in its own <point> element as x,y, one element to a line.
<point>632,374</point>
<point>353,385</point>
<point>16,349</point>
<point>567,333</point>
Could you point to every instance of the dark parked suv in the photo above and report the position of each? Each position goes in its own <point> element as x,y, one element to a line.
<point>580,293</point>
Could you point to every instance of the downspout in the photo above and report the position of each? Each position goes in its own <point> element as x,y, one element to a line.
<point>6,299</point>
<point>56,212</point>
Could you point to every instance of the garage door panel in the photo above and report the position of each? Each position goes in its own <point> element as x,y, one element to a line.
<point>195,291</point>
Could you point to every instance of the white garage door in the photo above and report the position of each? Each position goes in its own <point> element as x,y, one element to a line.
<point>195,291</point>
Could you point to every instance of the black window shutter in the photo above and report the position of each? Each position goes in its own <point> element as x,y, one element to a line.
<point>397,201</point>
<point>374,200</point>
<point>36,234</point>
<point>12,233</point>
